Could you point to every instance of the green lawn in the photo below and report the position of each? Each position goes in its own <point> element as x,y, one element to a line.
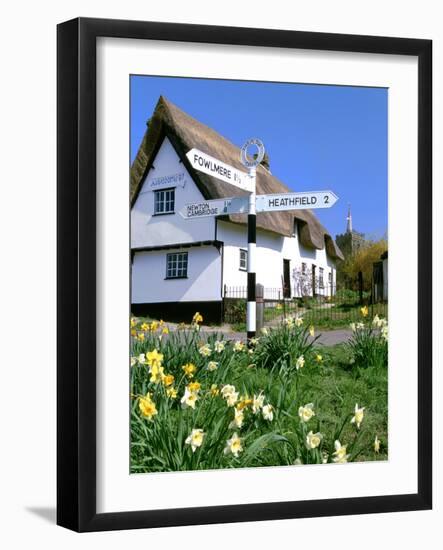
<point>161,423</point>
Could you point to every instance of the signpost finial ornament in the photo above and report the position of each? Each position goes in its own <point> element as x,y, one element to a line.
<point>251,161</point>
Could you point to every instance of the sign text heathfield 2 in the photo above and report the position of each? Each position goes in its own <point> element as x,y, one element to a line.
<point>295,201</point>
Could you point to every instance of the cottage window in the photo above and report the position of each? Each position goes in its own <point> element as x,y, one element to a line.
<point>330,278</point>
<point>164,201</point>
<point>321,282</point>
<point>243,259</point>
<point>177,265</point>
<point>303,268</point>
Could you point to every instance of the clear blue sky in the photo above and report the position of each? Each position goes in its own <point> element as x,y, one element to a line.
<point>317,137</point>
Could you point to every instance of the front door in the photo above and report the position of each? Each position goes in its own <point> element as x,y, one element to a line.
<point>286,279</point>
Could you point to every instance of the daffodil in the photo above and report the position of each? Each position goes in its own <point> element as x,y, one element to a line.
<point>165,330</point>
<point>268,412</point>
<point>311,331</point>
<point>214,390</point>
<point>253,341</point>
<point>229,393</point>
<point>257,403</point>
<point>300,363</point>
<point>289,322</point>
<point>133,361</point>
<point>157,374</point>
<point>189,369</point>
<point>244,402</point>
<point>227,389</point>
<point>298,321</point>
<point>154,358</point>
<point>384,332</point>
<point>141,336</point>
<point>234,445</point>
<point>318,358</point>
<point>313,440</point>
<point>141,358</point>
<point>205,350</point>
<point>133,333</point>
<point>364,311</point>
<point>133,322</point>
<point>198,318</point>
<point>353,327</point>
<point>147,406</point>
<point>154,326</point>
<point>357,419</point>
<point>168,380</point>
<point>306,412</point>
<point>238,419</point>
<point>194,386</point>
<point>219,346</point>
<point>239,346</point>
<point>264,331</point>
<point>340,453</point>
<point>171,392</point>
<point>195,439</point>
<point>144,327</point>
<point>376,445</point>
<point>189,399</point>
<point>212,365</point>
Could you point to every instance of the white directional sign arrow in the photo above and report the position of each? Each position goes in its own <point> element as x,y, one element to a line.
<point>295,201</point>
<point>217,207</point>
<point>220,170</point>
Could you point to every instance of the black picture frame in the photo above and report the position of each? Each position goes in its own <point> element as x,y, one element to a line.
<point>76,280</point>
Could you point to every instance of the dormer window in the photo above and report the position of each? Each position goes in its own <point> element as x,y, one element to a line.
<point>164,201</point>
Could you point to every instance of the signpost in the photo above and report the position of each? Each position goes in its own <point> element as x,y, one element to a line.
<point>217,207</point>
<point>248,204</point>
<point>220,170</point>
<point>295,201</point>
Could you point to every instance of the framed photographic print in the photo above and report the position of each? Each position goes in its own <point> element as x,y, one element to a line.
<point>244,274</point>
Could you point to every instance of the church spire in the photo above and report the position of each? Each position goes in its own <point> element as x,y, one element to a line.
<point>349,220</point>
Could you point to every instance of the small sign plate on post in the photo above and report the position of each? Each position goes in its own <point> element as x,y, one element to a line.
<point>218,169</point>
<point>295,201</point>
<point>217,207</point>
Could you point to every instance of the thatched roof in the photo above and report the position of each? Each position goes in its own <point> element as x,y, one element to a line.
<point>186,133</point>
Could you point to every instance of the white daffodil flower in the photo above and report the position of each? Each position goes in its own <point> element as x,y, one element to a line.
<point>340,453</point>
<point>233,445</point>
<point>313,440</point>
<point>268,412</point>
<point>306,413</point>
<point>357,419</point>
<point>195,439</point>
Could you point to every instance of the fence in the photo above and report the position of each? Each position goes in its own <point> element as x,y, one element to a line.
<point>329,306</point>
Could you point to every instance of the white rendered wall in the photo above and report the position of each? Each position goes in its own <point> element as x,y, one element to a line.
<point>203,283</point>
<point>271,250</point>
<point>149,230</point>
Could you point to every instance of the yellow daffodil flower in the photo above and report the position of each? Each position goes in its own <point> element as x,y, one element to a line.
<point>157,374</point>
<point>233,445</point>
<point>197,318</point>
<point>364,311</point>
<point>141,336</point>
<point>147,406</point>
<point>168,380</point>
<point>165,330</point>
<point>171,392</point>
<point>244,402</point>
<point>154,358</point>
<point>313,440</point>
<point>318,358</point>
<point>189,369</point>
<point>298,321</point>
<point>357,419</point>
<point>133,322</point>
<point>214,390</point>
<point>144,327</point>
<point>194,386</point>
<point>311,331</point>
<point>133,333</point>
<point>154,326</point>
<point>306,413</point>
<point>340,453</point>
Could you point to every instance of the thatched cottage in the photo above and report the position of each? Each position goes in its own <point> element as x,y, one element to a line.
<point>180,266</point>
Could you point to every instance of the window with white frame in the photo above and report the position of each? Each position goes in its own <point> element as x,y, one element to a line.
<point>164,201</point>
<point>176,265</point>
<point>321,281</point>
<point>330,279</point>
<point>243,259</point>
<point>304,268</point>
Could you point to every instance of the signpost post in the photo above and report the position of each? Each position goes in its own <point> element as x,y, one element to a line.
<point>251,162</point>
<point>248,204</point>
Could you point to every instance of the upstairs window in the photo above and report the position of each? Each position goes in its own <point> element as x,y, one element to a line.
<point>164,201</point>
<point>177,265</point>
<point>243,260</point>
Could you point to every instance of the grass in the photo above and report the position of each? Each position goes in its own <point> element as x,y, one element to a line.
<point>333,383</point>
